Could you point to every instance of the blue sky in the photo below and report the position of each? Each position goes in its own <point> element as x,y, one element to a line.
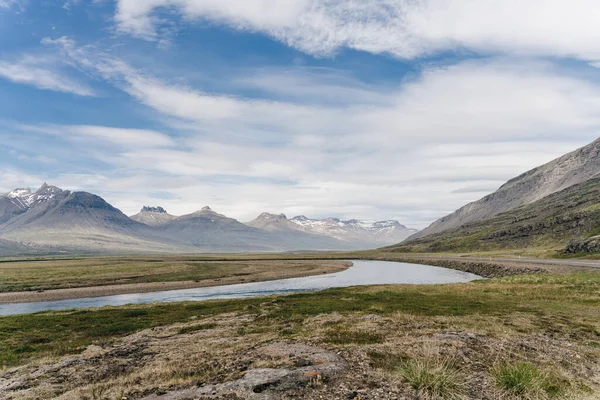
<point>372,109</point>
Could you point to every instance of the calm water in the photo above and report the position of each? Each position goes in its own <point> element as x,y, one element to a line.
<point>361,273</point>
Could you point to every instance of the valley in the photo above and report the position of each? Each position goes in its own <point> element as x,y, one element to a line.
<point>364,340</point>
<point>513,313</point>
<point>299,200</point>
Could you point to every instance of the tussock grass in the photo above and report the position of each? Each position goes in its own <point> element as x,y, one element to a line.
<point>433,379</point>
<point>527,382</point>
<point>341,335</point>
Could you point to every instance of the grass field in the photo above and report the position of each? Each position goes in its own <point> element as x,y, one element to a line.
<point>34,274</point>
<point>526,336</point>
<point>47,274</point>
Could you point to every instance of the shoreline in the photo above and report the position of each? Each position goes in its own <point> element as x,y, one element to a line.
<point>486,269</point>
<point>134,288</point>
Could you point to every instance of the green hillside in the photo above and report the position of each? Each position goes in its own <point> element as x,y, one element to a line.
<point>566,220</point>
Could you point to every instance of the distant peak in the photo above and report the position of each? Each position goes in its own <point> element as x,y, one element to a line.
<point>300,218</point>
<point>47,189</point>
<point>19,192</point>
<point>204,210</point>
<point>158,209</point>
<point>267,215</point>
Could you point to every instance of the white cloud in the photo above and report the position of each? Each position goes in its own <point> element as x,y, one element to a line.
<point>42,73</point>
<point>408,155</point>
<point>11,3</point>
<point>140,138</point>
<point>11,178</point>
<point>404,28</point>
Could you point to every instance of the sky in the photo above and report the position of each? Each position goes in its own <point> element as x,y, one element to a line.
<point>368,109</point>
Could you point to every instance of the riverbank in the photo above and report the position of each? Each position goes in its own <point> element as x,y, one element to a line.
<point>42,277</point>
<point>25,281</point>
<point>362,342</point>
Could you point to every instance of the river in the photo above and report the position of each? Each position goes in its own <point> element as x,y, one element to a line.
<point>361,273</point>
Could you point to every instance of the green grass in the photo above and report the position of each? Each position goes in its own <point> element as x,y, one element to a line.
<point>343,335</point>
<point>47,274</point>
<point>433,379</point>
<point>564,304</point>
<point>526,381</point>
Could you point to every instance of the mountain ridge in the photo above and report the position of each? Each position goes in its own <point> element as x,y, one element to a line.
<point>361,234</point>
<point>153,216</point>
<point>54,220</point>
<point>566,221</point>
<point>570,169</point>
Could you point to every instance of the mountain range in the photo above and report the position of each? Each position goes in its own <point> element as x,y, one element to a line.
<point>368,233</point>
<point>555,207</point>
<point>52,220</point>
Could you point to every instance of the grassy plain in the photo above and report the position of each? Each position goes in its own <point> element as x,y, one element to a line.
<point>55,279</point>
<point>50,273</point>
<point>470,340</point>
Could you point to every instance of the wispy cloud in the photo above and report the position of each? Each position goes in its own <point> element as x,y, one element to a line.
<point>404,28</point>
<point>42,72</point>
<point>406,151</point>
<point>139,138</point>
<point>12,3</point>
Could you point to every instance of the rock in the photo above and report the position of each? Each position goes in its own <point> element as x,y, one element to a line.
<point>312,364</point>
<point>93,351</point>
<point>590,245</point>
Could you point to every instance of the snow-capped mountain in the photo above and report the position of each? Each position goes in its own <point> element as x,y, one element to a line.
<point>360,234</point>
<point>55,220</point>
<point>19,201</point>
<point>22,197</point>
<point>25,199</point>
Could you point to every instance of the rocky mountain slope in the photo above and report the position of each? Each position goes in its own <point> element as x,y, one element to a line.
<point>571,169</point>
<point>8,248</point>
<point>357,234</point>
<point>14,203</point>
<point>566,221</point>
<point>153,216</point>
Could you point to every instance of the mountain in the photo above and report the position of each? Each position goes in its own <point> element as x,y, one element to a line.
<point>568,220</point>
<point>566,171</point>
<point>210,231</point>
<point>12,204</point>
<point>153,216</point>
<point>8,248</point>
<point>77,221</point>
<point>356,234</point>
<point>52,220</point>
